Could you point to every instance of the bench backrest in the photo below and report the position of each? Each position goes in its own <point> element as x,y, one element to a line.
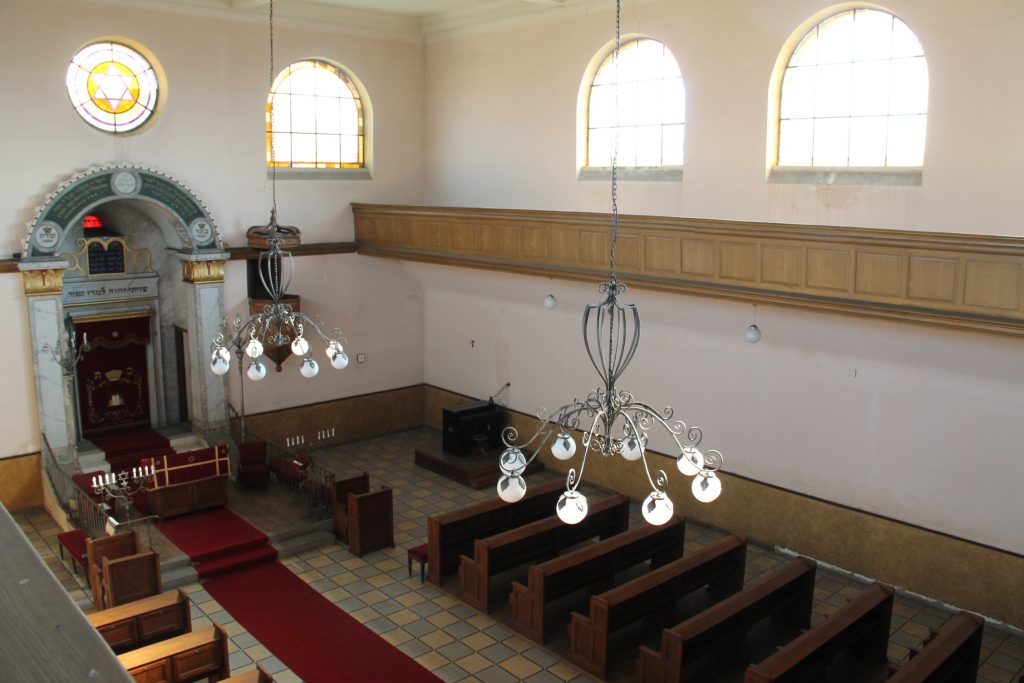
<point>734,615</point>
<point>343,487</point>
<point>189,657</point>
<point>540,538</point>
<point>634,599</point>
<point>602,560</point>
<point>131,578</point>
<point>452,534</point>
<point>950,657</point>
<point>804,658</point>
<point>127,626</point>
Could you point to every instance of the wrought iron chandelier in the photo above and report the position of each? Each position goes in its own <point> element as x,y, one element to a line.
<point>279,324</point>
<point>611,334</point>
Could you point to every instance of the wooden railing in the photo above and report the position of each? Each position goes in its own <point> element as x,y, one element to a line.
<point>973,282</point>
<point>82,510</point>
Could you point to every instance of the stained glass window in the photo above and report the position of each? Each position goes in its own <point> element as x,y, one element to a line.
<point>314,118</point>
<point>112,86</point>
<point>643,101</point>
<point>855,94</point>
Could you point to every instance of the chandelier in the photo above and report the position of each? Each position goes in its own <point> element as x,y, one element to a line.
<point>616,424</point>
<point>278,324</point>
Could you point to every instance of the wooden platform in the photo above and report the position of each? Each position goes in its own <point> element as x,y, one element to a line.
<point>475,471</point>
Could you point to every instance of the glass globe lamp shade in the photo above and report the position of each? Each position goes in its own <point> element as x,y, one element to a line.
<point>706,487</point>
<point>572,507</point>
<point>657,508</point>
<point>256,371</point>
<point>339,361</point>
<point>512,462</point>
<point>550,302</point>
<point>309,367</point>
<point>564,446</point>
<point>511,488</point>
<point>300,347</point>
<point>254,349</point>
<point>220,364</point>
<point>632,448</point>
<point>753,334</point>
<point>690,461</point>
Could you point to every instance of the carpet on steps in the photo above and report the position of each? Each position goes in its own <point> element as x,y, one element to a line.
<point>218,541</point>
<point>124,448</point>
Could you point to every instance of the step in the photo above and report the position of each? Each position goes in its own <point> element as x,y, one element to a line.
<point>253,542</point>
<point>230,563</point>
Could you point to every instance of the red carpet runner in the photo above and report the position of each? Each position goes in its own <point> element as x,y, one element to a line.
<point>317,640</point>
<point>125,447</point>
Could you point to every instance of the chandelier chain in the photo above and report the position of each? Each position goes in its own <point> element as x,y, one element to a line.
<point>270,122</point>
<point>615,140</point>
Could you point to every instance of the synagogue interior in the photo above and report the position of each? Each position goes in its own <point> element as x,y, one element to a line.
<point>325,327</point>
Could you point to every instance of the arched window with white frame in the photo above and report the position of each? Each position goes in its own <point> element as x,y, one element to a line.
<point>854,94</point>
<point>315,118</point>
<point>640,100</point>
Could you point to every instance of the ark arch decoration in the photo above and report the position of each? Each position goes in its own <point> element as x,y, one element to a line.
<point>106,245</point>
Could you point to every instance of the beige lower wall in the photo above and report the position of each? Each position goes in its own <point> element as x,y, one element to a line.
<point>21,482</point>
<point>961,573</point>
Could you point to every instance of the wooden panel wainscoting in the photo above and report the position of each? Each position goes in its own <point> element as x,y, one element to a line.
<point>971,576</point>
<point>21,481</point>
<point>972,282</point>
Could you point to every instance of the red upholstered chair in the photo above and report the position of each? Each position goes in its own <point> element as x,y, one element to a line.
<point>252,463</point>
<point>291,471</point>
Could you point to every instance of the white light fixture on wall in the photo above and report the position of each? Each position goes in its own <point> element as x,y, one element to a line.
<point>611,334</point>
<point>278,323</point>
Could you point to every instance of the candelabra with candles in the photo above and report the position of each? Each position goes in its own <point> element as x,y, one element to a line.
<point>67,355</point>
<point>611,334</point>
<point>120,487</point>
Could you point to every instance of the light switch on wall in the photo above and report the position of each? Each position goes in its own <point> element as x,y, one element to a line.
<point>360,357</point>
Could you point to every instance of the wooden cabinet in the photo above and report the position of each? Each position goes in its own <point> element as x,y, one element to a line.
<point>180,499</point>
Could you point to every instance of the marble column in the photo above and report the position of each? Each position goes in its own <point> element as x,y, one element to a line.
<point>203,274</point>
<point>43,280</point>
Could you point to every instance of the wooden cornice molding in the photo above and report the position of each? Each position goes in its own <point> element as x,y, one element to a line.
<point>318,249</point>
<point>971,282</point>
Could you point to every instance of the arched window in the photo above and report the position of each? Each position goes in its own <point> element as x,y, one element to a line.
<point>112,87</point>
<point>315,118</point>
<point>651,106</point>
<point>854,94</point>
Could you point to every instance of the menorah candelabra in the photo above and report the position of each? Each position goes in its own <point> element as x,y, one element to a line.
<point>119,487</point>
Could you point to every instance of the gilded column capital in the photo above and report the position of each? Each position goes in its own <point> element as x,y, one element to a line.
<point>203,272</point>
<point>43,281</point>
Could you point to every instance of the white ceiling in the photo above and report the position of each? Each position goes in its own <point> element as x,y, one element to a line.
<point>407,20</point>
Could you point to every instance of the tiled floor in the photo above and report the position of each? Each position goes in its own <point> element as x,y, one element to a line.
<point>456,641</point>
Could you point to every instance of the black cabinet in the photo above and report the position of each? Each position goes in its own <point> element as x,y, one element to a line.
<point>460,423</point>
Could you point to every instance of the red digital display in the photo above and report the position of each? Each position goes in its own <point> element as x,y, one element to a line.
<point>92,222</point>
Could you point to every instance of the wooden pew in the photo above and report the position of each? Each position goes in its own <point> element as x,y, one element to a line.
<point>189,657</point>
<point>719,566</point>
<point>863,622</point>
<point>130,578</point>
<point>951,656</point>
<point>144,621</point>
<point>451,534</point>
<point>540,539</point>
<point>371,521</point>
<point>786,594</point>
<point>119,545</point>
<point>590,567</point>
<point>343,487</point>
<point>257,675</point>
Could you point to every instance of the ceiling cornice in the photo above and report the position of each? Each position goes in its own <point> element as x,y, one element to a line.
<point>302,15</point>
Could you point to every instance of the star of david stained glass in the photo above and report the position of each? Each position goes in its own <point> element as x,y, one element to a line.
<point>112,87</point>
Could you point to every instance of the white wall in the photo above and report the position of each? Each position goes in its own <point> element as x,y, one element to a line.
<point>914,423</point>
<point>501,117</point>
<point>210,135</point>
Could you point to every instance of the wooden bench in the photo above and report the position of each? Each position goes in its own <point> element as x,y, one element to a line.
<point>786,594</point>
<point>356,485</point>
<point>719,566</point>
<point>362,518</point>
<point>593,567</point>
<point>951,656</point>
<point>451,535</point>
<point>119,545</point>
<point>540,539</point>
<point>863,623</point>
<point>189,657</point>
<point>130,578</point>
<point>257,675</point>
<point>144,621</point>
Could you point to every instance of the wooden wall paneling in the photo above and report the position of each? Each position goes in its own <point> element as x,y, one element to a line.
<point>970,282</point>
